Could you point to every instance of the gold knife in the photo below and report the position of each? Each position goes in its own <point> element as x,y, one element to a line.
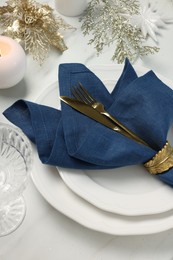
<point>94,114</point>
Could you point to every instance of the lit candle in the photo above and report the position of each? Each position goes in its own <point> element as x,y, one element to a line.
<point>71,7</point>
<point>12,62</point>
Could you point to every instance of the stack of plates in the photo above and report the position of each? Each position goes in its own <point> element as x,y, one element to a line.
<point>123,201</point>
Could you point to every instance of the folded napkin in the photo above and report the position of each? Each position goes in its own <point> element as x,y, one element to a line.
<point>67,138</point>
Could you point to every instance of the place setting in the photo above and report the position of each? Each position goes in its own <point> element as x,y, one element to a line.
<point>100,172</point>
<point>86,136</point>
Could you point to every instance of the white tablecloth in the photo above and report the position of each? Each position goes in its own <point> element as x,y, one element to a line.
<point>45,232</point>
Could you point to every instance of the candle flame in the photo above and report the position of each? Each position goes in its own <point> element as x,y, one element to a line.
<point>0,53</point>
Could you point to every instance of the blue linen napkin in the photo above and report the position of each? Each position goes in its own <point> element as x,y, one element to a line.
<point>67,138</point>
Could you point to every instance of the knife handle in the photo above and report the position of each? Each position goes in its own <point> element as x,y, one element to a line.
<point>125,131</point>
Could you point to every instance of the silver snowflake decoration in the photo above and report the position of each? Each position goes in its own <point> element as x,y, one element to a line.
<point>148,20</point>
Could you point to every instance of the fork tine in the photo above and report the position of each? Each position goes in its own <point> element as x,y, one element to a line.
<point>81,94</point>
<point>86,94</point>
<point>76,94</point>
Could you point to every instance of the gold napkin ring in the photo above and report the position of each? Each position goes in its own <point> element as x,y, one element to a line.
<point>162,161</point>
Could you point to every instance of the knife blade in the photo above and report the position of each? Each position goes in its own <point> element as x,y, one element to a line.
<point>94,114</point>
<point>89,112</point>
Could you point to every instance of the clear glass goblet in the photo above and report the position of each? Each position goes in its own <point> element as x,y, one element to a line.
<point>15,166</point>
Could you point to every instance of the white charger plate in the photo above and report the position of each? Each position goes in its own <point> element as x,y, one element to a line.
<point>128,190</point>
<point>53,189</point>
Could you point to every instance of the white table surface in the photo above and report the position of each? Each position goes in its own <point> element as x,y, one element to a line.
<point>45,232</point>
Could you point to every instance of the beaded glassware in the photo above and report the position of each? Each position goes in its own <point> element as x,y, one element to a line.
<point>15,166</point>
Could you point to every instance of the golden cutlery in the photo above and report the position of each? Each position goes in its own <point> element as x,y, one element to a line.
<point>89,111</point>
<point>94,114</point>
<point>81,94</point>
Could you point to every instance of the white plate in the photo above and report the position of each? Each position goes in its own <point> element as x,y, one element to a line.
<point>128,190</point>
<point>53,189</point>
<point>51,186</point>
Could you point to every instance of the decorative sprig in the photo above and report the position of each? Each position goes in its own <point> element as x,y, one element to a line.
<point>105,21</point>
<point>34,25</point>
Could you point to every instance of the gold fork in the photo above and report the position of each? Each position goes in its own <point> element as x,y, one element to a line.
<point>80,93</point>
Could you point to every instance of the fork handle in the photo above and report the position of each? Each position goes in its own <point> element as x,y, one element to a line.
<point>124,130</point>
